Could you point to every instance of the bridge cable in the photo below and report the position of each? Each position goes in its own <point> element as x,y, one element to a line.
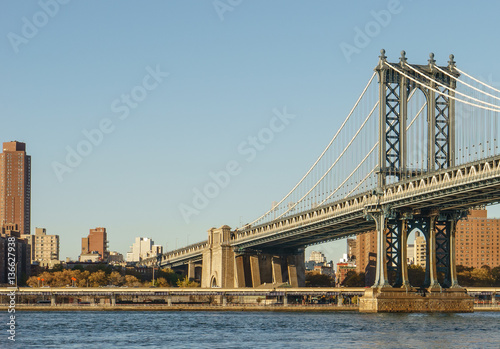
<point>441,93</point>
<point>334,163</point>
<point>345,180</point>
<point>449,88</point>
<point>477,80</point>
<point>362,181</point>
<point>322,154</point>
<point>466,84</point>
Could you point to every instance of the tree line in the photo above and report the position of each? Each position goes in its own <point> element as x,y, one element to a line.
<point>103,275</point>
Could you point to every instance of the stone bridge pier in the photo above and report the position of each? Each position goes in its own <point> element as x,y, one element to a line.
<point>224,267</point>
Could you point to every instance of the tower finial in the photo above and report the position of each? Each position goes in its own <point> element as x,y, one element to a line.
<point>432,61</point>
<point>451,62</point>
<point>382,55</point>
<point>402,59</point>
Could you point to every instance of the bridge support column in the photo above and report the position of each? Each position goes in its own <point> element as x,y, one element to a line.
<point>381,279</point>
<point>276,268</point>
<point>403,236</point>
<point>169,300</point>
<point>224,300</point>
<point>285,300</point>
<point>255,270</point>
<point>240,270</point>
<point>113,300</point>
<point>296,269</point>
<point>453,262</point>
<point>433,280</point>
<point>190,271</point>
<point>266,269</point>
<point>53,300</point>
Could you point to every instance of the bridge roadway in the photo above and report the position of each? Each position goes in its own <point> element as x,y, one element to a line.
<point>456,188</point>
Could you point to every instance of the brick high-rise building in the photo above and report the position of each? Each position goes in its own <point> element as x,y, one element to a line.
<point>96,241</point>
<point>478,240</point>
<point>15,186</point>
<point>366,255</point>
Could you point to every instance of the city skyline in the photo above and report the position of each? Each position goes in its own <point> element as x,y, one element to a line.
<point>204,88</point>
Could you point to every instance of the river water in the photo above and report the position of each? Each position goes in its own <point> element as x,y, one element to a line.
<point>151,329</point>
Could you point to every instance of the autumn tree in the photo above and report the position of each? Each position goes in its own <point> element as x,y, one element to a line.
<point>162,282</point>
<point>98,278</point>
<point>116,279</point>
<point>131,280</point>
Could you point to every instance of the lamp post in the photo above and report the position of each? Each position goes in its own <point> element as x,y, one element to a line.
<point>153,281</point>
<point>16,272</point>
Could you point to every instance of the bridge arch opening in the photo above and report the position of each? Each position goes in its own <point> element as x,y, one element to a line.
<point>213,282</point>
<point>416,258</point>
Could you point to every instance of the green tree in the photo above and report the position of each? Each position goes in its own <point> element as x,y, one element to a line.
<point>186,283</point>
<point>482,277</point>
<point>495,274</point>
<point>171,276</point>
<point>57,267</point>
<point>315,279</point>
<point>353,279</point>
<point>416,275</point>
<point>162,282</point>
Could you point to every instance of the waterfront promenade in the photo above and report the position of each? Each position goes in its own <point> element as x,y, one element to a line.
<point>200,299</point>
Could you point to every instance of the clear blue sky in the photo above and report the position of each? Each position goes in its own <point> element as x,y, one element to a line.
<point>229,66</point>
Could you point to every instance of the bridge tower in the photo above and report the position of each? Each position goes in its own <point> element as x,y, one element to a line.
<point>396,82</point>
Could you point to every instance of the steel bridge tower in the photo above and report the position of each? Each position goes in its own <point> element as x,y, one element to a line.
<point>394,225</point>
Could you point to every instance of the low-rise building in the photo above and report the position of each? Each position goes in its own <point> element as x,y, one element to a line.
<point>44,248</point>
<point>143,248</point>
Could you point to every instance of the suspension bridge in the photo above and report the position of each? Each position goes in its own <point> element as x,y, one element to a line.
<point>416,151</point>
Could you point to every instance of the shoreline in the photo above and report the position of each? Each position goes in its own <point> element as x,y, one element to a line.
<point>237,308</point>
<point>229,308</point>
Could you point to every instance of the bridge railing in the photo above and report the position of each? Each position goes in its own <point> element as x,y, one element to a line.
<point>426,182</point>
<point>444,179</point>
<point>183,252</point>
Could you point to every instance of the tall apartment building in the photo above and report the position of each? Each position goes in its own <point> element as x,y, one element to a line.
<point>478,240</point>
<point>15,186</point>
<point>366,255</point>
<point>44,248</point>
<point>96,242</point>
<point>419,250</point>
